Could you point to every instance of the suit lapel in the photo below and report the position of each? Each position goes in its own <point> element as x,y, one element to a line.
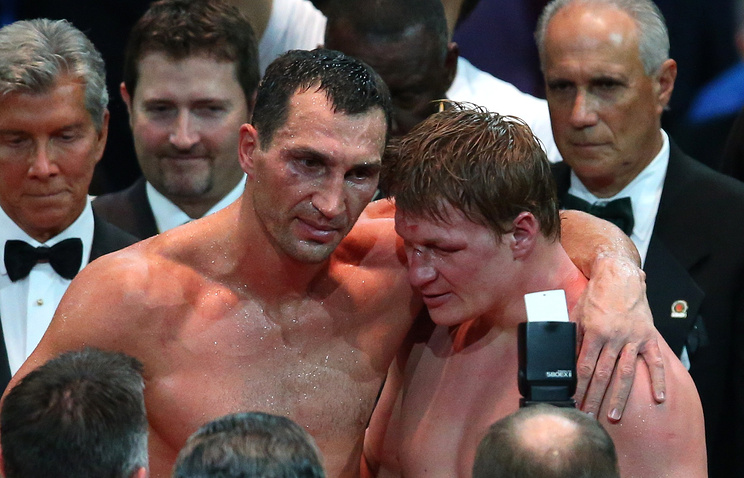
<point>673,224</point>
<point>108,238</point>
<point>669,286</point>
<point>672,252</point>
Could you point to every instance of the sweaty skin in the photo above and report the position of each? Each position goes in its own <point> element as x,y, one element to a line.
<point>274,304</point>
<point>216,336</point>
<point>446,388</point>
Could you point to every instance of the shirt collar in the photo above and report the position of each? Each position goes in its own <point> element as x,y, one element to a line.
<point>168,215</point>
<point>82,228</point>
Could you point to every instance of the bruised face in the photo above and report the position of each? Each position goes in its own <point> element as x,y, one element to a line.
<point>320,171</point>
<point>185,117</point>
<point>457,265</point>
<point>605,110</point>
<point>49,147</point>
<point>414,68</point>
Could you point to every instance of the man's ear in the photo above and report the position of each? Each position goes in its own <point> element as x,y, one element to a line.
<point>665,81</point>
<point>247,147</point>
<point>526,228</point>
<point>127,98</point>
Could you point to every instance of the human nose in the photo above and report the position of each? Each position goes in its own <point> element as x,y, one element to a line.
<point>42,164</point>
<point>420,269</point>
<point>330,199</point>
<point>184,134</point>
<point>583,113</point>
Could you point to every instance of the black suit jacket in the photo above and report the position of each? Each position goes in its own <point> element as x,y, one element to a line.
<point>106,238</point>
<point>696,254</point>
<point>129,210</point>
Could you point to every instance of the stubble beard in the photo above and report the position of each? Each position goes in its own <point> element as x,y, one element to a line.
<point>187,184</point>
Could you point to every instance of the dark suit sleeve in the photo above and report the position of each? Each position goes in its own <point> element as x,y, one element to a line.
<point>108,238</point>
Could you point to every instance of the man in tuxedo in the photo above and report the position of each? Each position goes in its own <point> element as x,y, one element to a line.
<point>190,79</point>
<point>53,125</point>
<point>608,78</point>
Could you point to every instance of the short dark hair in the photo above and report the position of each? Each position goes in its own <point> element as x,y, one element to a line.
<point>489,166</point>
<point>81,414</point>
<point>184,28</point>
<point>250,444</point>
<point>351,86</point>
<point>587,452</point>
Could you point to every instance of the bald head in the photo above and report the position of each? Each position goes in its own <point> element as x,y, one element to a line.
<point>547,442</point>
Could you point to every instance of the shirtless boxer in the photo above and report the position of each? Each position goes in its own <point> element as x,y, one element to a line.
<point>274,304</point>
<point>478,213</point>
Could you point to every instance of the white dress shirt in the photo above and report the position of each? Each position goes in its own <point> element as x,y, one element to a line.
<point>168,215</point>
<point>644,192</point>
<point>27,305</point>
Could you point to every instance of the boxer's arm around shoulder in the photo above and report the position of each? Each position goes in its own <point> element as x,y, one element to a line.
<point>587,239</point>
<point>616,321</point>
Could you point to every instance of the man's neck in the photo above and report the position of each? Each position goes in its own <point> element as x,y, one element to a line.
<point>547,268</point>
<point>263,267</point>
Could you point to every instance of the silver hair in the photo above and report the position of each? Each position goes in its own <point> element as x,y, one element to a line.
<point>34,54</point>
<point>653,40</point>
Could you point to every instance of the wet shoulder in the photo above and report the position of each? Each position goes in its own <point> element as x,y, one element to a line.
<point>373,241</point>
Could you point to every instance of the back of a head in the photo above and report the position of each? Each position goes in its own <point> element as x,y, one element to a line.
<point>543,441</point>
<point>184,28</point>
<point>81,414</point>
<point>36,54</point>
<point>351,86</point>
<point>489,166</point>
<point>247,445</point>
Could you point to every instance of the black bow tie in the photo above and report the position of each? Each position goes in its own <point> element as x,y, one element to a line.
<point>65,258</point>
<point>618,211</point>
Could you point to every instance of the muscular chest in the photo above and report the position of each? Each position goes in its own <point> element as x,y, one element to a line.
<point>319,361</point>
<point>449,401</point>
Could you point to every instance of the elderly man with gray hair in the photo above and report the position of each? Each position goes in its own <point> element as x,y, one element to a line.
<point>53,126</point>
<point>608,79</point>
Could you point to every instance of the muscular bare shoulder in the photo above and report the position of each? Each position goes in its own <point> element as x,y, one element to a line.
<point>120,300</point>
<point>666,439</point>
<point>373,240</point>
